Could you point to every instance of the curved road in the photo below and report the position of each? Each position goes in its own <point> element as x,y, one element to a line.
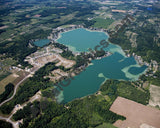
<point>17,85</point>
<point>15,90</point>
<point>15,124</point>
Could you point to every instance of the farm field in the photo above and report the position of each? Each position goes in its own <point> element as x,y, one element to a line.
<point>14,78</point>
<point>7,80</point>
<point>102,23</point>
<point>137,115</point>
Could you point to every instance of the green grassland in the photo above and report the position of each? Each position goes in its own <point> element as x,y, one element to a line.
<point>106,125</point>
<point>5,71</point>
<point>4,75</point>
<point>102,23</point>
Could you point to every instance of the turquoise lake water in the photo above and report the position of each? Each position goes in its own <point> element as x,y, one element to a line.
<point>81,39</point>
<point>41,43</point>
<point>116,66</point>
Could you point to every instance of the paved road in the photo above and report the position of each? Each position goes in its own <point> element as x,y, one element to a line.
<point>15,90</point>
<point>17,85</point>
<point>15,124</point>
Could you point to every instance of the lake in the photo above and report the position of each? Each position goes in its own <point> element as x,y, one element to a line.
<point>81,39</point>
<point>41,43</point>
<point>116,66</point>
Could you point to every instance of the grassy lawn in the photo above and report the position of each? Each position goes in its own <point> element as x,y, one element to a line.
<point>5,81</point>
<point>103,23</point>
<point>106,125</point>
<point>5,73</point>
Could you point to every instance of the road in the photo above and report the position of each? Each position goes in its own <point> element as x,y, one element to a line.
<point>15,124</point>
<point>15,90</point>
<point>37,96</point>
<point>16,86</point>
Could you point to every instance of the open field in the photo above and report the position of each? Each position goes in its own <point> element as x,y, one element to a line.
<point>4,75</point>
<point>22,75</point>
<point>137,115</point>
<point>123,11</point>
<point>106,125</point>
<point>5,67</point>
<point>106,2</point>
<point>12,78</point>
<point>154,96</point>
<point>7,80</point>
<point>102,23</point>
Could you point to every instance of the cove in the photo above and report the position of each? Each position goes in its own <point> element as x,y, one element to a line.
<point>41,43</point>
<point>117,66</point>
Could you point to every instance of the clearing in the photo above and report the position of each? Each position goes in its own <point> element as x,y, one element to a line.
<point>154,96</point>
<point>7,80</point>
<point>136,114</point>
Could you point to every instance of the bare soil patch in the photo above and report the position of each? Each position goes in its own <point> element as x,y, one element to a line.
<point>136,114</point>
<point>123,11</point>
<point>3,27</point>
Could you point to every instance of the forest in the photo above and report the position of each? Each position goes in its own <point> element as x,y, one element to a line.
<point>7,93</point>
<point>19,48</point>
<point>30,87</point>
<point>4,124</point>
<point>90,111</point>
<point>147,46</point>
<point>114,88</point>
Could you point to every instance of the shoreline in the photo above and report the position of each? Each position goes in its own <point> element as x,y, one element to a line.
<point>64,30</point>
<point>74,28</point>
<point>116,49</point>
<point>122,52</point>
